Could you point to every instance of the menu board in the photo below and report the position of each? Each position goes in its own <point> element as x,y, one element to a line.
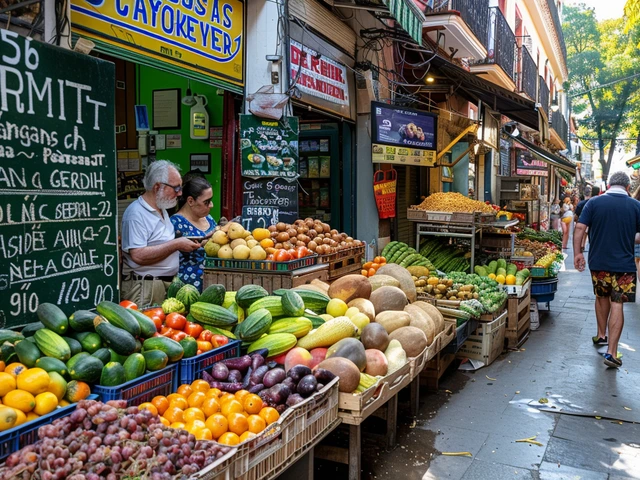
<point>527,164</point>
<point>58,178</point>
<point>269,148</point>
<point>403,135</point>
<point>269,201</point>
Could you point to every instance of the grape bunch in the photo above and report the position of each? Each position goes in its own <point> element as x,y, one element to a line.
<point>110,441</point>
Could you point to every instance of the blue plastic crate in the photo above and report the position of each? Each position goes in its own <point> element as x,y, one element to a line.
<point>543,287</point>
<point>18,437</point>
<point>143,389</point>
<point>192,368</point>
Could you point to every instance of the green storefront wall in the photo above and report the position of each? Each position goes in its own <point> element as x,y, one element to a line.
<point>150,79</point>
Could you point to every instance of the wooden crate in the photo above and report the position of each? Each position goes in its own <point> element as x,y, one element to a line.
<point>346,265</point>
<point>518,320</point>
<point>486,343</point>
<point>233,279</point>
<point>435,369</point>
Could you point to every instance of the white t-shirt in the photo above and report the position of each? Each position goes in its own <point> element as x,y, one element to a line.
<point>142,226</point>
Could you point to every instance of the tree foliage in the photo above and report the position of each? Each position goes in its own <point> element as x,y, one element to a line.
<point>600,56</point>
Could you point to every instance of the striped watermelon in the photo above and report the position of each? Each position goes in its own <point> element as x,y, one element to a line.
<point>188,294</point>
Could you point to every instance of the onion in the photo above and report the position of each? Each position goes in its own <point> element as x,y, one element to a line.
<point>282,237</point>
<point>272,228</point>
<point>281,227</point>
<point>312,246</point>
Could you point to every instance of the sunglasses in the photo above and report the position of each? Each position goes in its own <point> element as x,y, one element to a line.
<point>176,189</point>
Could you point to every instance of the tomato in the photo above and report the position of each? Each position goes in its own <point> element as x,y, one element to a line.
<point>270,257</point>
<point>178,336</point>
<point>157,322</point>
<point>205,335</point>
<point>155,312</point>
<point>193,329</point>
<point>204,346</point>
<point>175,320</point>
<point>282,256</point>
<point>128,304</point>
<point>293,254</point>
<point>302,252</point>
<point>220,340</point>
<point>168,332</point>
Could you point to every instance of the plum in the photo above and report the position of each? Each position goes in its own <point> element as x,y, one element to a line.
<point>307,385</point>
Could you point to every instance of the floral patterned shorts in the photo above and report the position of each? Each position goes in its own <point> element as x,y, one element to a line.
<point>621,287</point>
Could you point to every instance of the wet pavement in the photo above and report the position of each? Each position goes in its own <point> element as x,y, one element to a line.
<point>555,388</point>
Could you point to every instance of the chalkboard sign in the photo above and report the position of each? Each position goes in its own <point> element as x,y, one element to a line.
<point>58,238</point>
<point>505,158</point>
<point>269,201</point>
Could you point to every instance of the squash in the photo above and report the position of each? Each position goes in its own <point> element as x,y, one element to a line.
<point>53,318</point>
<point>255,325</point>
<point>292,304</point>
<point>169,346</point>
<point>82,321</point>
<point>50,365</point>
<point>34,381</point>
<point>248,294</point>
<point>214,315</point>
<point>119,316</point>
<point>76,391</point>
<point>214,294</point>
<point>52,344</point>
<point>403,276</point>
<point>8,418</point>
<point>379,280</point>
<point>20,399</point>
<point>155,359</point>
<point>28,353</point>
<point>112,375</point>
<point>392,320</point>
<point>119,340</point>
<point>87,369</point>
<point>434,313</point>
<point>350,287</point>
<point>147,327</point>
<point>388,298</point>
<point>134,367</point>
<point>412,339</point>
<point>423,321</point>
<point>364,306</point>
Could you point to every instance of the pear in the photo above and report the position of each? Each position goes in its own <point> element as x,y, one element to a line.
<point>236,231</point>
<point>220,238</point>
<point>225,252</point>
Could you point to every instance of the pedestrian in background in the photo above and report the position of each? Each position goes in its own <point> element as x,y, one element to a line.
<point>613,220</point>
<point>590,193</point>
<point>555,214</point>
<point>567,218</point>
<point>637,245</point>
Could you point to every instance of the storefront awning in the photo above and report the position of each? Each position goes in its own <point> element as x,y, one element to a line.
<point>544,155</point>
<point>497,98</point>
<point>408,16</point>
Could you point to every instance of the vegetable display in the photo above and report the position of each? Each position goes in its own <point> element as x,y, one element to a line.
<point>446,258</point>
<point>552,236</point>
<point>453,202</point>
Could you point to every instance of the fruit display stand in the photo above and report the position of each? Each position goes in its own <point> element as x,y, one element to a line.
<point>192,368</point>
<point>343,262</point>
<point>470,231</point>
<point>519,317</point>
<point>18,437</point>
<point>354,409</point>
<point>142,389</point>
<point>487,342</point>
<point>233,279</point>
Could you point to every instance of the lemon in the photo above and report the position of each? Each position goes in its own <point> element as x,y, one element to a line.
<point>351,311</point>
<point>337,307</point>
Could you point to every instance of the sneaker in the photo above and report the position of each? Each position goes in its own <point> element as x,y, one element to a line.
<point>598,341</point>
<point>609,361</point>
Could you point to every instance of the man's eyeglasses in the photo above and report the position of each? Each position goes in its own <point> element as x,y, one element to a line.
<point>176,189</point>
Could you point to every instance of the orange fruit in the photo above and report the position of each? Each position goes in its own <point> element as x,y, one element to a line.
<point>267,243</point>
<point>269,414</point>
<point>247,436</point>
<point>229,438</point>
<point>238,423</point>
<point>215,391</point>
<point>256,423</point>
<point>164,421</point>
<point>174,396</point>
<point>180,403</point>
<point>210,406</point>
<point>217,424</point>
<point>211,393</point>
<point>225,397</point>
<point>241,394</point>
<point>148,406</point>
<point>161,403</point>
<point>185,390</point>
<point>232,406</point>
<point>178,425</point>
<point>252,403</point>
<point>195,426</point>
<point>174,414</point>
<point>204,434</point>
<point>200,386</point>
<point>196,399</point>
<point>191,414</point>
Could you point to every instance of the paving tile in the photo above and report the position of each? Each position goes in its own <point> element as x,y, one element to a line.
<point>579,455</point>
<point>504,449</point>
<point>450,468</point>
<point>626,465</point>
<point>453,439</point>
<point>600,431</point>
<point>553,471</point>
<point>495,471</point>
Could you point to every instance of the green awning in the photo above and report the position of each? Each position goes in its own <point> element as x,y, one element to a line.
<point>408,16</point>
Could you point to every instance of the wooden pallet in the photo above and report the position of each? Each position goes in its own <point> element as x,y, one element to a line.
<point>518,320</point>
<point>233,279</point>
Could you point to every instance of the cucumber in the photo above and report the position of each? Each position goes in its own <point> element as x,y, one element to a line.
<point>134,367</point>
<point>82,321</point>
<point>49,364</point>
<point>53,318</point>
<point>112,375</point>
<point>119,316</point>
<point>28,353</point>
<point>90,341</point>
<point>30,329</point>
<point>155,360</point>
<point>104,354</point>
<point>74,345</point>
<point>87,369</point>
<point>147,327</point>
<point>172,348</point>
<point>118,339</point>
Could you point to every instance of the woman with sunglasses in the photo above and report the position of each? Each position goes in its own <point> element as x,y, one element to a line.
<point>193,221</point>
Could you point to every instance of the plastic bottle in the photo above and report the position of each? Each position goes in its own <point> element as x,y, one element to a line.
<point>199,119</point>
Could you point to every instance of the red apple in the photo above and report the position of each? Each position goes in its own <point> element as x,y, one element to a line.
<point>297,356</point>
<point>317,356</point>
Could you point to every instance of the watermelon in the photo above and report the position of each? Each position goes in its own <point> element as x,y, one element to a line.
<point>188,295</point>
<point>214,294</point>
<point>175,286</point>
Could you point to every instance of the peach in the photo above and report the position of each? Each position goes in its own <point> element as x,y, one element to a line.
<point>297,356</point>
<point>317,356</point>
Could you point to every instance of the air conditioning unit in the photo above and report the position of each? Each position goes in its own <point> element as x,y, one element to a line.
<point>367,89</point>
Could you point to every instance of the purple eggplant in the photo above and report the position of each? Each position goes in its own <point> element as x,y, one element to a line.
<point>257,360</point>
<point>297,372</point>
<point>220,371</point>
<point>272,377</point>
<point>279,393</point>
<point>258,375</point>
<point>208,378</point>
<point>323,376</point>
<point>263,352</point>
<point>235,376</point>
<point>231,387</point>
<point>239,363</point>
<point>307,385</point>
<point>290,383</point>
<point>256,388</point>
<point>246,381</point>
<point>294,399</point>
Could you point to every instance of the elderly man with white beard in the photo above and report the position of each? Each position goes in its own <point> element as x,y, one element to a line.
<point>150,249</point>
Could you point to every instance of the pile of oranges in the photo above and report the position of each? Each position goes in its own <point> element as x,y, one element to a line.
<point>369,269</point>
<point>210,414</point>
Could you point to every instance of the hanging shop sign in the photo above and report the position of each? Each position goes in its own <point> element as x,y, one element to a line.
<point>58,178</point>
<point>527,164</point>
<point>269,148</point>
<point>206,37</point>
<point>403,135</point>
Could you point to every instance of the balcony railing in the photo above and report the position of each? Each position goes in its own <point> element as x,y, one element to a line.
<point>527,76</point>
<point>557,26</point>
<point>543,94</point>
<point>473,12</point>
<point>501,43</point>
<point>559,124</point>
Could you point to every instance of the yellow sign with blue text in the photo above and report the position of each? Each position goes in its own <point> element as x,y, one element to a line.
<point>202,35</point>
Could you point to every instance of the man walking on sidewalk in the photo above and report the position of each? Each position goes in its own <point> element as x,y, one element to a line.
<point>613,220</point>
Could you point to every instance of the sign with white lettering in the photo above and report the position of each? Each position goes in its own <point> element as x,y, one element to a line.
<point>58,218</point>
<point>203,36</point>
<point>269,201</point>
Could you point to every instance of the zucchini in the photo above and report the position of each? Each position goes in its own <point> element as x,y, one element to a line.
<point>49,364</point>
<point>87,369</point>
<point>27,353</point>
<point>10,336</point>
<point>119,316</point>
<point>147,327</point>
<point>74,345</point>
<point>169,346</point>
<point>30,329</point>
<point>53,318</point>
<point>82,321</point>
<point>104,354</point>
<point>118,339</point>
<point>112,375</point>
<point>134,367</point>
<point>155,360</point>
<point>52,344</point>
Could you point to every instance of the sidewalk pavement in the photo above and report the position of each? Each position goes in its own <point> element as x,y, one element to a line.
<point>586,429</point>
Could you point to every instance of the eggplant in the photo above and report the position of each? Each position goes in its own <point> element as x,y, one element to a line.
<point>307,385</point>
<point>263,352</point>
<point>231,387</point>
<point>258,375</point>
<point>235,376</point>
<point>238,363</point>
<point>208,378</point>
<point>294,399</point>
<point>323,376</point>
<point>290,383</point>
<point>257,360</point>
<point>220,371</point>
<point>272,377</point>
<point>256,388</point>
<point>246,381</point>
<point>297,372</point>
<point>278,394</point>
